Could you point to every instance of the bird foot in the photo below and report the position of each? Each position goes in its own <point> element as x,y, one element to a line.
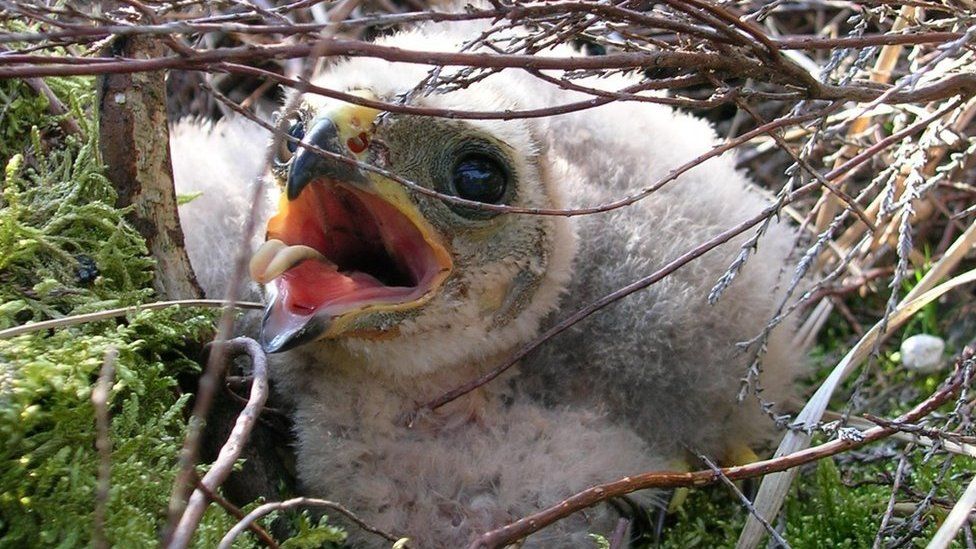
<point>740,454</point>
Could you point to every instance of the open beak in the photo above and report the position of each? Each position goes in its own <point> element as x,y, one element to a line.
<point>343,243</point>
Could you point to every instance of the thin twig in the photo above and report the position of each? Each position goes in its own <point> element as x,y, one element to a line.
<point>535,522</point>
<point>236,511</point>
<point>892,499</point>
<point>74,320</point>
<point>103,443</point>
<point>780,541</point>
<point>231,450</point>
<point>238,529</point>
<point>30,66</point>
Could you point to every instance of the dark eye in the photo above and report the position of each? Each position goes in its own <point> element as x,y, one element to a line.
<point>479,178</point>
<point>287,147</point>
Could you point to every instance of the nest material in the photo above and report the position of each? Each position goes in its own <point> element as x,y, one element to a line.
<point>64,248</point>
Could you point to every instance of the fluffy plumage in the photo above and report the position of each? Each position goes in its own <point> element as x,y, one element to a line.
<point>633,388</point>
<point>223,161</point>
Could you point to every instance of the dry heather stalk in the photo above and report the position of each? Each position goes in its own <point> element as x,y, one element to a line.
<point>773,490</point>
<point>960,448</point>
<point>880,74</point>
<point>934,156</point>
<point>842,245</point>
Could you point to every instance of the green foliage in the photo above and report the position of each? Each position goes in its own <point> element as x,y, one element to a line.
<point>65,249</point>
<point>48,472</point>
<point>823,510</point>
<point>600,541</point>
<point>709,517</point>
<point>820,512</point>
<point>182,199</point>
<point>825,513</point>
<point>310,534</point>
<point>20,107</point>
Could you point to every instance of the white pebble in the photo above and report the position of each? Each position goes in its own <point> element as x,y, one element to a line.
<point>922,352</point>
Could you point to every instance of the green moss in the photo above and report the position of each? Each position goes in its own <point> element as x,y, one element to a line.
<point>49,462</point>
<point>65,249</point>
<point>823,512</point>
<point>820,511</point>
<point>311,534</point>
<point>709,517</point>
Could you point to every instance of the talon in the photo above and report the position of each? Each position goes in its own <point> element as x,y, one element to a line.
<point>740,454</point>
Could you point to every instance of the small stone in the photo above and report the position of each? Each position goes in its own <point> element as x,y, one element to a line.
<point>923,352</point>
<point>120,98</point>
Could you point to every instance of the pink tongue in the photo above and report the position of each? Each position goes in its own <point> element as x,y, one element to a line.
<point>313,284</point>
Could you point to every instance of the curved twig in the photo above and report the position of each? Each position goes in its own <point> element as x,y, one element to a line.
<point>231,450</point>
<point>238,529</point>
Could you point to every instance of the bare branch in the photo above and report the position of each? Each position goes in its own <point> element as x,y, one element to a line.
<point>263,510</point>
<point>535,522</point>
<point>231,450</point>
<point>254,527</point>
<point>74,320</point>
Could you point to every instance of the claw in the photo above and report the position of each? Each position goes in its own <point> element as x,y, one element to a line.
<point>679,495</point>
<point>740,454</point>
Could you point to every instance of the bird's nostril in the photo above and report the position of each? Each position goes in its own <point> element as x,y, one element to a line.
<point>359,143</point>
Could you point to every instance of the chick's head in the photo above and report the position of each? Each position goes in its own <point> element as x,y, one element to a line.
<point>355,259</point>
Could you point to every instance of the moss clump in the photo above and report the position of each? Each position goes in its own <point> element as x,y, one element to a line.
<point>65,249</point>
<point>820,511</point>
<point>49,463</point>
<point>823,512</point>
<point>312,534</point>
<point>709,517</point>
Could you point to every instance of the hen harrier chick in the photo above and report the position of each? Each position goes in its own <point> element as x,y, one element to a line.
<point>381,297</point>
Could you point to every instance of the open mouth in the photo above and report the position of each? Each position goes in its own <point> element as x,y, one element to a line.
<point>336,249</point>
